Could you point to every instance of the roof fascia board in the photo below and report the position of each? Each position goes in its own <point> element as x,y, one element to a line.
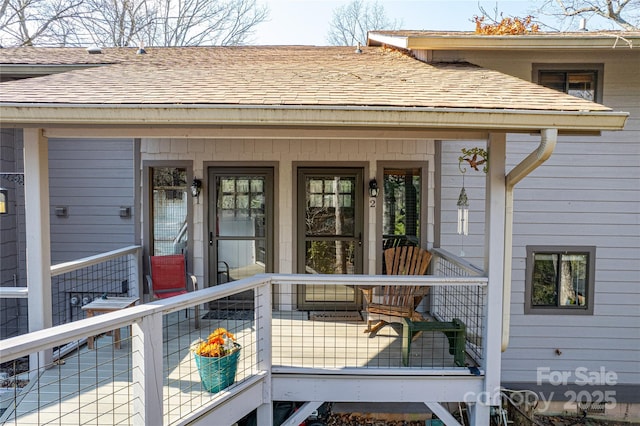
<point>46,115</point>
<point>484,42</point>
<point>262,132</point>
<point>380,39</point>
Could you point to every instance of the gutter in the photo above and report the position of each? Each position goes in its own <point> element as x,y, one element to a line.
<point>548,140</point>
<point>197,115</point>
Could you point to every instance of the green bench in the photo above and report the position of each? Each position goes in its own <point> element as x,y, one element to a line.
<point>456,333</point>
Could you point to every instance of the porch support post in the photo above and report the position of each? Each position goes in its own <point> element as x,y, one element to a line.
<point>147,353</point>
<point>494,262</point>
<point>263,294</point>
<point>38,236</point>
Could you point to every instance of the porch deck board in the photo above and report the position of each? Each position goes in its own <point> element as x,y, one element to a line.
<point>93,387</point>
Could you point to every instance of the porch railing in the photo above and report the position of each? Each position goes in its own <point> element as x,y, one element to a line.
<point>76,283</point>
<point>153,378</point>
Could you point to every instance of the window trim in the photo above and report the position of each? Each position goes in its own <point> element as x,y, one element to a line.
<point>598,69</point>
<point>529,308</point>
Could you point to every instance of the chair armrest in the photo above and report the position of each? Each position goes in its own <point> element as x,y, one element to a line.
<point>194,281</point>
<point>149,284</point>
<point>367,292</point>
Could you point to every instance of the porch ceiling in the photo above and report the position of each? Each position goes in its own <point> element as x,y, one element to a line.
<point>291,86</point>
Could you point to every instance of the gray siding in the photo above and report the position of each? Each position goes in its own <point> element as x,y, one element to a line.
<point>588,193</point>
<point>92,179</point>
<point>13,312</point>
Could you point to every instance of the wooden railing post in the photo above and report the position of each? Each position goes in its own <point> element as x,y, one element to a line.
<point>264,344</point>
<point>147,370</point>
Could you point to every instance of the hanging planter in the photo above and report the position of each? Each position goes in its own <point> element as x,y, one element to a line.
<point>217,360</point>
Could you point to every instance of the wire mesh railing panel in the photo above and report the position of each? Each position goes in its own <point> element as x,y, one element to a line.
<point>188,385</point>
<point>465,303</point>
<point>75,289</point>
<point>98,386</point>
<point>383,334</point>
<point>88,387</point>
<point>446,264</point>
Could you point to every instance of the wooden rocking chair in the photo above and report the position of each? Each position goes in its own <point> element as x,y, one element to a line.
<point>397,301</point>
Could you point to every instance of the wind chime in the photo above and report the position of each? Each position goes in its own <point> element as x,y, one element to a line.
<point>463,212</point>
<point>471,156</point>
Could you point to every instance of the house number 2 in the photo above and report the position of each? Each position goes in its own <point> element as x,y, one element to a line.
<point>372,202</point>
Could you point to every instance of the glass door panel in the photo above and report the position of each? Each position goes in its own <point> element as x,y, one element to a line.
<point>401,207</point>
<point>240,218</point>
<point>169,210</point>
<point>330,226</point>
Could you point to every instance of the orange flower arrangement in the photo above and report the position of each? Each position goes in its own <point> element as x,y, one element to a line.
<point>219,343</point>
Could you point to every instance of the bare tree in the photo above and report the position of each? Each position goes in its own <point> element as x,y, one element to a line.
<point>352,21</point>
<point>129,22</point>
<point>110,23</point>
<point>565,14</point>
<point>624,13</point>
<point>211,22</point>
<point>30,22</point>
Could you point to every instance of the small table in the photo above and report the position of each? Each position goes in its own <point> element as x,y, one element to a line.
<point>456,332</point>
<point>110,304</point>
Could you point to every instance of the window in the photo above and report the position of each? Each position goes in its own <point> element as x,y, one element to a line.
<point>169,191</point>
<point>401,206</point>
<point>579,80</point>
<point>560,280</point>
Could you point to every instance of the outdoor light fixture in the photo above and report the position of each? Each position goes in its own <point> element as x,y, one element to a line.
<point>4,193</point>
<point>3,201</point>
<point>195,187</point>
<point>463,213</point>
<point>373,188</point>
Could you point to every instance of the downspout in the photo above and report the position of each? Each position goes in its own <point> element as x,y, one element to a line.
<point>548,139</point>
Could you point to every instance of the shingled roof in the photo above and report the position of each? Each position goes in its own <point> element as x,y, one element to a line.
<point>275,76</point>
<point>300,78</point>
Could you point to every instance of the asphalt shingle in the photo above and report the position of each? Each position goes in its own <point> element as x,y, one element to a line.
<point>266,75</point>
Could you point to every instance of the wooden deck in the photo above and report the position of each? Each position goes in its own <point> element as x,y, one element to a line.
<point>94,387</point>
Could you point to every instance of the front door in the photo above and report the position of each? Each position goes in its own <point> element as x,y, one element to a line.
<point>240,224</point>
<point>330,226</point>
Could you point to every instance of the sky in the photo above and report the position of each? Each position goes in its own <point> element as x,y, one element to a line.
<point>307,21</point>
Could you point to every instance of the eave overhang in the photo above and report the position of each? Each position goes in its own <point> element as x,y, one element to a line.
<point>470,41</point>
<point>203,116</point>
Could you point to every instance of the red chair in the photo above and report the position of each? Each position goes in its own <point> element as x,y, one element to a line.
<point>169,278</point>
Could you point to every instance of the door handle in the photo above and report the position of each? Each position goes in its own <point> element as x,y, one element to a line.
<point>360,239</point>
<point>210,238</point>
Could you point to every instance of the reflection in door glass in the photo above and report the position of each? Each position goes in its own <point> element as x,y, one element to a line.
<point>330,206</point>
<point>169,215</point>
<point>240,227</point>
<point>401,207</point>
<point>241,206</point>
<point>239,259</point>
<point>330,257</point>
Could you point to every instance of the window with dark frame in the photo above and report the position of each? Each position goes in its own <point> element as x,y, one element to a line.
<point>581,84</point>
<point>560,280</point>
<point>580,80</point>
